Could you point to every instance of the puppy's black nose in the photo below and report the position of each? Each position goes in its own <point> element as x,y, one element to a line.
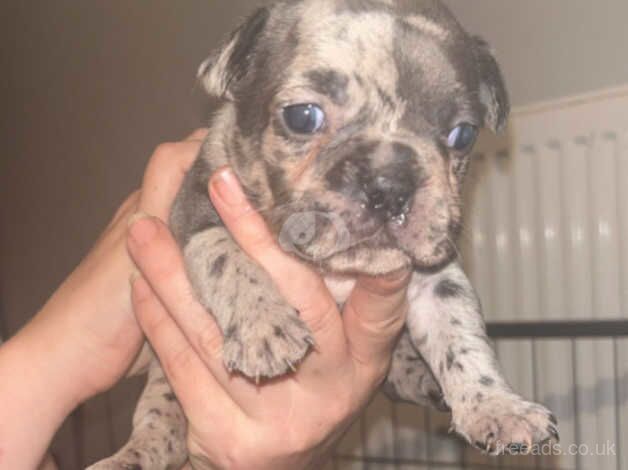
<point>390,197</point>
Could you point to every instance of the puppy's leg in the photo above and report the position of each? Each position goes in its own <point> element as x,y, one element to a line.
<point>159,431</point>
<point>446,326</point>
<point>263,335</point>
<point>410,378</point>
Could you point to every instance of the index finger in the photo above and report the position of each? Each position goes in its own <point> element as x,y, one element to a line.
<point>165,172</point>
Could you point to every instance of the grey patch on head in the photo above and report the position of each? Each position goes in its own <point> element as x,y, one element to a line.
<point>331,83</point>
<point>447,289</point>
<point>218,266</point>
<point>486,381</point>
<point>231,63</point>
<point>493,93</point>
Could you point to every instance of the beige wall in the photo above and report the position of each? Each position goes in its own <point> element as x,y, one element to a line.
<point>552,48</point>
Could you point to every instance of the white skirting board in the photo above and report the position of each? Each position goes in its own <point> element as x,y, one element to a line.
<point>545,238</point>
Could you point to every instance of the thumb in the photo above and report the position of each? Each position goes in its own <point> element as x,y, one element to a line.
<point>374,316</point>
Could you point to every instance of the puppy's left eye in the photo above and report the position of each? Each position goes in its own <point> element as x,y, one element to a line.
<point>462,137</point>
<point>304,118</point>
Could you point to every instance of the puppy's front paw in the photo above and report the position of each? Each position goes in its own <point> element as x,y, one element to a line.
<point>267,345</point>
<point>504,423</point>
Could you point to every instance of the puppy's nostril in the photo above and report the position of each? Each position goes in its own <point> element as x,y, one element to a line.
<point>377,200</point>
<point>388,198</point>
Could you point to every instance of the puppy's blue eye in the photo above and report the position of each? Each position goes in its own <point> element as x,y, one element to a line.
<point>304,118</point>
<point>462,137</point>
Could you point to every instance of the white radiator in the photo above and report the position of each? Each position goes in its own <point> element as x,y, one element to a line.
<point>546,238</point>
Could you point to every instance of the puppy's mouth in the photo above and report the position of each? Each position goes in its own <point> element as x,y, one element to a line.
<point>362,244</point>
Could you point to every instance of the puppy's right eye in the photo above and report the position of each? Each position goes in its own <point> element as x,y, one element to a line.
<point>304,118</point>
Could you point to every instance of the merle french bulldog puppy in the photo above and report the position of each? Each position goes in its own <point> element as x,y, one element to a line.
<point>350,124</point>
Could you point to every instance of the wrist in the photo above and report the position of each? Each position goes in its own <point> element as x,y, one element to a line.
<point>37,397</point>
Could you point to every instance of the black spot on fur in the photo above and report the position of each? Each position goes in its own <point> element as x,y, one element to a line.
<point>329,82</point>
<point>487,381</point>
<point>267,349</point>
<point>385,97</point>
<point>218,266</point>
<point>451,356</point>
<point>231,331</point>
<point>447,288</point>
<point>170,396</point>
<point>278,332</point>
<point>455,322</point>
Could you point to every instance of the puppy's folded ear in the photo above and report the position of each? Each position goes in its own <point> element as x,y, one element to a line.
<point>222,70</point>
<point>493,94</point>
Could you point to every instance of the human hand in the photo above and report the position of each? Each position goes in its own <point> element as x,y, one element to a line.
<point>95,299</point>
<point>291,422</point>
<point>86,336</point>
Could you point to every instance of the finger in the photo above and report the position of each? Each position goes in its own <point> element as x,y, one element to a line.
<point>374,316</point>
<point>164,174</point>
<point>300,286</point>
<point>198,134</point>
<point>128,207</point>
<point>157,255</point>
<point>195,387</point>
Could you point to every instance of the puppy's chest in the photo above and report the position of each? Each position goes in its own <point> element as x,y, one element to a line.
<point>340,286</point>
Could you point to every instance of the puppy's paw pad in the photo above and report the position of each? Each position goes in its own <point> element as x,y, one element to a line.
<point>269,347</point>
<point>505,424</point>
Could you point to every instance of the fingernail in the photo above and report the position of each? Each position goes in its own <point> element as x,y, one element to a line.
<point>142,228</point>
<point>227,187</point>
